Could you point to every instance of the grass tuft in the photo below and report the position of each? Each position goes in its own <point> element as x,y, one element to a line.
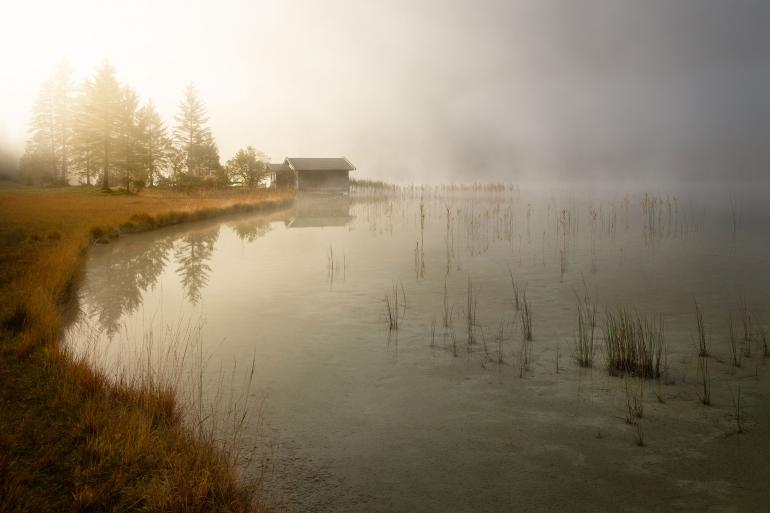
<point>634,345</point>
<point>584,344</point>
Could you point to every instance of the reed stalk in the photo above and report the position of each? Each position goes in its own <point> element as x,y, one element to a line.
<point>703,347</point>
<point>391,308</point>
<point>705,377</point>
<point>735,354</point>
<point>584,345</point>
<point>737,409</point>
<point>526,319</point>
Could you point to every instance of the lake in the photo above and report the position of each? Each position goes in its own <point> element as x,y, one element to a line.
<point>275,327</point>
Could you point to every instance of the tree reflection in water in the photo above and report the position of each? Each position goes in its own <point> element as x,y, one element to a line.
<point>121,273</point>
<point>118,279</point>
<point>249,230</point>
<point>192,254</point>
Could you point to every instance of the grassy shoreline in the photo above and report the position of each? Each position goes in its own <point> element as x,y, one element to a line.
<point>70,440</point>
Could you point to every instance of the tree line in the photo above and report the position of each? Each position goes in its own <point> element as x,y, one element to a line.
<point>99,134</point>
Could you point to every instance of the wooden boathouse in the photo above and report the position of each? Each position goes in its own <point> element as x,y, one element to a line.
<point>330,175</point>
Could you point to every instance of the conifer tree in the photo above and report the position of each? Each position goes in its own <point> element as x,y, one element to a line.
<point>193,136</point>
<point>154,143</point>
<point>39,163</point>
<point>48,151</point>
<point>128,136</point>
<point>63,107</point>
<point>101,115</point>
<point>84,136</point>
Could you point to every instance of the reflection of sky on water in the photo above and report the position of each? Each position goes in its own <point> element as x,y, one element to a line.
<point>349,398</point>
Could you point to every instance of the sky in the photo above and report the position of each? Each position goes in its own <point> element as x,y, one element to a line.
<point>427,91</point>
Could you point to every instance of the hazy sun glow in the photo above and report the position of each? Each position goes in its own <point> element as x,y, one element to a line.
<point>487,90</point>
<point>259,76</point>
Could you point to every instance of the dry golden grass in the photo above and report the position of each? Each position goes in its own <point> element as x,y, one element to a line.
<point>69,439</point>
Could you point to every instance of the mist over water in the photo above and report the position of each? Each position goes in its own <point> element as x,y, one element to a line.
<point>444,412</point>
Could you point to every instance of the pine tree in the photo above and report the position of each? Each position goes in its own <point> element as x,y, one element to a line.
<point>102,131</point>
<point>176,162</point>
<point>193,136</point>
<point>48,150</point>
<point>154,143</point>
<point>39,163</point>
<point>127,154</point>
<point>101,118</point>
<point>63,107</point>
<point>84,137</point>
<point>208,157</point>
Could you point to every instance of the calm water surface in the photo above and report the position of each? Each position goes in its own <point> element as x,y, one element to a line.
<point>347,415</point>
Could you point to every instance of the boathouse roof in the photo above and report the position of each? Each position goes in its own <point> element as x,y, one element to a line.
<point>319,164</point>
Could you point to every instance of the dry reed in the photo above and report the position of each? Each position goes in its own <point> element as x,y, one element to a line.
<point>703,346</point>
<point>516,295</point>
<point>634,403</point>
<point>471,302</point>
<point>634,344</point>
<point>391,308</point>
<point>526,319</point>
<point>499,339</point>
<point>746,323</point>
<point>735,354</point>
<point>762,338</point>
<point>584,344</point>
<point>705,378</point>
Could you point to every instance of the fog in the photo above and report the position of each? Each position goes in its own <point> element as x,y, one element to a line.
<point>432,90</point>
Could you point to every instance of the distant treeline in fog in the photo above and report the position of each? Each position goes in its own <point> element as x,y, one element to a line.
<point>97,133</point>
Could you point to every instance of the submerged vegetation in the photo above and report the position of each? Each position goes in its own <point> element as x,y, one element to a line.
<point>632,344</point>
